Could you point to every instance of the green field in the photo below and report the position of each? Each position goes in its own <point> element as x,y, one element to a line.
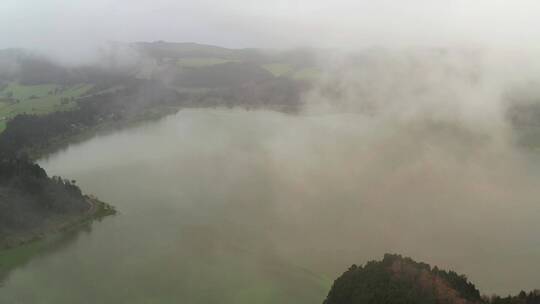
<point>287,70</point>
<point>307,74</point>
<point>18,99</point>
<point>279,69</point>
<point>197,62</point>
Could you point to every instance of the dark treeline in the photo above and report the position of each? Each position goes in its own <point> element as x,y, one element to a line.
<point>30,200</point>
<point>397,279</point>
<point>30,132</point>
<point>27,132</point>
<point>231,74</point>
<point>523,297</point>
<point>278,93</point>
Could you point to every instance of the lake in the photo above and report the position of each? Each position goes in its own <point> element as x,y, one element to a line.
<point>233,206</point>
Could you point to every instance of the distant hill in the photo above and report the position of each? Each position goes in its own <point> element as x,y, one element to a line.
<point>174,53</point>
<point>401,280</point>
<point>176,50</point>
<point>230,74</point>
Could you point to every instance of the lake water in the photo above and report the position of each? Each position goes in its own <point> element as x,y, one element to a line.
<point>232,206</point>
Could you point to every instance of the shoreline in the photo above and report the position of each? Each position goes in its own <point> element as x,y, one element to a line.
<point>97,211</point>
<point>107,127</point>
<point>62,142</point>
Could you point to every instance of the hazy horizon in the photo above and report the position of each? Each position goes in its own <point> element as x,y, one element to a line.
<point>409,128</point>
<point>76,29</point>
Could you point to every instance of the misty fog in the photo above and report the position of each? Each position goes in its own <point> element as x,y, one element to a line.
<point>407,152</point>
<point>74,30</point>
<point>402,143</point>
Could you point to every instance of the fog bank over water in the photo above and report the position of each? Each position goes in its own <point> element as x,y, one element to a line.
<point>407,152</point>
<point>429,162</point>
<point>401,142</point>
<point>325,191</point>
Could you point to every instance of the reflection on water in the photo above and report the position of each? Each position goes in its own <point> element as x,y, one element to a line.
<point>229,206</point>
<point>12,259</point>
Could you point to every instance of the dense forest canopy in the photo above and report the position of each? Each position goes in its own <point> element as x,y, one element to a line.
<point>402,280</point>
<point>29,199</point>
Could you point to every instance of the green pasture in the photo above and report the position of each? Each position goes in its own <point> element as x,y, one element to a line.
<point>197,62</point>
<point>307,74</point>
<point>278,69</point>
<point>18,99</point>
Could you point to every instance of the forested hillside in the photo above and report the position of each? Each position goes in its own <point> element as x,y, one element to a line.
<point>397,279</point>
<point>31,202</point>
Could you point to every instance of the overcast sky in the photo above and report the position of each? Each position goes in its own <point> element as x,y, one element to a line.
<point>75,26</point>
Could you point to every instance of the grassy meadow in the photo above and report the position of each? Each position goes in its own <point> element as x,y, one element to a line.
<point>197,62</point>
<point>18,99</point>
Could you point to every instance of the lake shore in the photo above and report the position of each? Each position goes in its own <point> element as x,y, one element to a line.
<point>96,211</point>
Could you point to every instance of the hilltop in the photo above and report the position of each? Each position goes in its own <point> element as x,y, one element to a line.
<point>402,280</point>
